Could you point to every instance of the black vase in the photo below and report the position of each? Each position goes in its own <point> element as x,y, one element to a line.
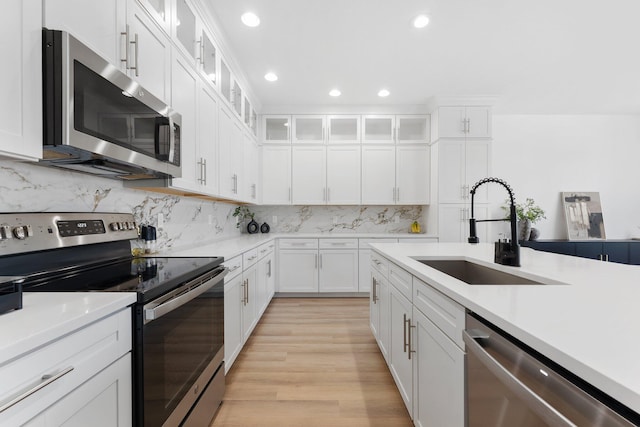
<point>264,228</point>
<point>252,227</point>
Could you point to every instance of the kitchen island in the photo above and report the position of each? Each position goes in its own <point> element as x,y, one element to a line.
<point>586,321</point>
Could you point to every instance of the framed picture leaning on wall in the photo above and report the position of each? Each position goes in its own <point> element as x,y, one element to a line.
<point>583,215</point>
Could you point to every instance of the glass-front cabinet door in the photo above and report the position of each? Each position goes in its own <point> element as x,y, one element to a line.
<point>412,129</point>
<point>186,27</point>
<point>308,129</point>
<point>236,98</point>
<point>247,112</point>
<point>160,10</point>
<point>225,80</point>
<point>254,122</point>
<point>207,57</point>
<point>378,129</point>
<point>276,129</point>
<point>344,129</point>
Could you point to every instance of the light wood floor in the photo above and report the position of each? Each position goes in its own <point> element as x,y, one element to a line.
<point>312,362</point>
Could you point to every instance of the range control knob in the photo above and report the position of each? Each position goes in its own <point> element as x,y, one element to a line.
<point>5,232</point>
<point>21,232</point>
<point>114,226</point>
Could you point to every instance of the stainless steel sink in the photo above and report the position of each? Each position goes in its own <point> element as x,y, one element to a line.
<point>476,274</point>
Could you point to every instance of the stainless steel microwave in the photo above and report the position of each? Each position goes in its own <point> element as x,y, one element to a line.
<point>98,120</point>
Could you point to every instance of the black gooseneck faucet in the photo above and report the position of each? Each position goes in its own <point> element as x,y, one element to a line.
<point>506,252</point>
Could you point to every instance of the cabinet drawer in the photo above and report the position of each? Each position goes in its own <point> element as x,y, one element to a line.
<point>445,313</point>
<point>81,354</point>
<point>249,258</point>
<point>366,243</point>
<point>265,249</point>
<point>298,243</point>
<point>338,243</point>
<point>401,279</point>
<point>380,263</point>
<point>234,265</point>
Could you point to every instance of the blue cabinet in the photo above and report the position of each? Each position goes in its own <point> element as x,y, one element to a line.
<point>623,251</point>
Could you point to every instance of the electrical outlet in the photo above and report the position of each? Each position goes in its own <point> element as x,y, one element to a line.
<point>274,220</point>
<point>160,221</point>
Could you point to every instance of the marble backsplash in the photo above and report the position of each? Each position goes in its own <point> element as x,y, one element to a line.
<point>186,221</point>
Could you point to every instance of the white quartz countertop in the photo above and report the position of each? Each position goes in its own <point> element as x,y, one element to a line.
<point>590,324</point>
<point>229,248</point>
<point>47,315</point>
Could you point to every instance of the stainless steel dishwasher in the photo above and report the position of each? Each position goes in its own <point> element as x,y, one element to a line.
<point>510,385</point>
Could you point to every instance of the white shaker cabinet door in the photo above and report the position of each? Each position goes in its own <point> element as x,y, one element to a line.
<point>401,367</point>
<point>478,122</point>
<point>378,175</point>
<point>412,175</point>
<point>207,136</point>
<point>451,172</point>
<point>343,175</point>
<point>21,85</point>
<point>309,175</point>
<point>96,24</point>
<point>276,175</point>
<point>298,270</point>
<point>477,166</point>
<point>249,306</point>
<point>338,270</point>
<point>233,301</point>
<point>451,122</point>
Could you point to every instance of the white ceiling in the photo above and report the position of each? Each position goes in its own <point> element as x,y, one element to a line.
<point>538,56</point>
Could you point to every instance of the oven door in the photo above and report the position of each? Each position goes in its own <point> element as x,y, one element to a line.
<point>182,348</point>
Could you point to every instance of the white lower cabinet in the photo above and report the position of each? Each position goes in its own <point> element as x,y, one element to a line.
<point>438,376</point>
<point>233,300</point>
<point>421,339</point>
<point>364,261</point>
<point>83,378</point>
<point>249,318</point>
<point>318,265</point>
<point>401,365</point>
<point>266,277</point>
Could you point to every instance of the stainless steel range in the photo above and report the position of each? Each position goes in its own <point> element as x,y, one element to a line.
<point>178,319</point>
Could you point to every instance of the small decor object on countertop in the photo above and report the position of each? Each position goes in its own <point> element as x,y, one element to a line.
<point>252,227</point>
<point>415,228</point>
<point>264,228</point>
<point>528,213</point>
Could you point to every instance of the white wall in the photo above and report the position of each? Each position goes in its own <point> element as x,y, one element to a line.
<point>543,155</point>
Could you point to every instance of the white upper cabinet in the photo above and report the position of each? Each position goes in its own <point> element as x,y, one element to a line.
<point>412,129</point>
<point>148,56</point>
<point>412,175</point>
<point>250,169</point>
<point>309,129</point>
<point>276,129</point>
<point>391,129</point>
<point>96,24</point>
<point>21,85</point>
<point>378,129</point>
<point>343,175</point>
<point>378,175</point>
<point>208,57</point>
<point>225,81</point>
<point>276,175</point>
<point>236,98</point>
<point>464,122</point>
<point>343,129</point>
<point>309,175</point>
<point>462,164</point>
<point>207,139</point>
<point>230,144</point>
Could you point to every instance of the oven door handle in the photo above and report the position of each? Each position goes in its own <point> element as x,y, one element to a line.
<point>533,401</point>
<point>155,310</point>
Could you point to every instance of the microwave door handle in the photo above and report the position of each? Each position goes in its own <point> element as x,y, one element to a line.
<point>172,140</point>
<point>536,403</point>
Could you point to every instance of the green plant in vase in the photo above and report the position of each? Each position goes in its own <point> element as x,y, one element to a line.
<point>243,214</point>
<point>528,213</point>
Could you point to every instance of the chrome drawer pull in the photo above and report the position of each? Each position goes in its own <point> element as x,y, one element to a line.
<point>46,380</point>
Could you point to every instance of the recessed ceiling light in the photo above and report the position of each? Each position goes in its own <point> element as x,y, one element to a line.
<point>383,93</point>
<point>335,92</point>
<point>270,77</point>
<point>250,19</point>
<point>421,21</point>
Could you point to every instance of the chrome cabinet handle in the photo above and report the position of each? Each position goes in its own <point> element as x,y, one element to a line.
<point>404,333</point>
<point>397,194</point>
<point>409,338</point>
<point>320,260</point>
<point>468,125</point>
<point>234,268</point>
<point>606,257</point>
<point>251,258</point>
<point>316,262</point>
<point>135,55</point>
<point>247,291</point>
<point>374,297</point>
<point>600,257</point>
<point>45,381</point>
<point>269,270</point>
<point>126,48</point>
<point>204,167</point>
<point>547,412</point>
<point>394,194</point>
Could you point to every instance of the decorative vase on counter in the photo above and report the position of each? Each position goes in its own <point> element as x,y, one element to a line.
<point>253,227</point>
<point>535,233</point>
<point>524,229</point>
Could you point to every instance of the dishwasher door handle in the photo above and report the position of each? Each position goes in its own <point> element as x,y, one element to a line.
<point>533,401</point>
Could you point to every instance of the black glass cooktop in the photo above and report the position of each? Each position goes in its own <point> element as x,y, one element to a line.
<point>149,277</point>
